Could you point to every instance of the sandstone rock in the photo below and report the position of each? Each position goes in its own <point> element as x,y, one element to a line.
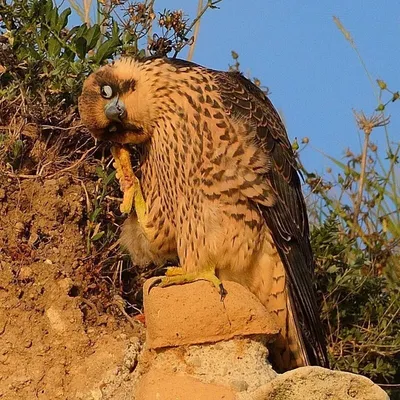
<point>161,386</point>
<point>316,383</point>
<point>194,313</point>
<point>199,347</point>
<point>239,364</point>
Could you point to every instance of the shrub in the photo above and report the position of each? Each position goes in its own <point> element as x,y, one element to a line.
<point>356,239</point>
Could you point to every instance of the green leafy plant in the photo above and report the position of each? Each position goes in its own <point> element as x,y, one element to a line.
<point>354,210</point>
<point>52,56</point>
<point>96,217</point>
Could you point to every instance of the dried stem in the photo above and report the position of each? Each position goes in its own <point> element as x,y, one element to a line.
<point>350,39</point>
<point>150,30</point>
<point>367,124</point>
<point>361,183</point>
<point>210,4</point>
<point>87,4</point>
<point>196,31</point>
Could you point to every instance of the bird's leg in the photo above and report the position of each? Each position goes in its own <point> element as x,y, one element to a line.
<point>177,276</point>
<point>129,183</point>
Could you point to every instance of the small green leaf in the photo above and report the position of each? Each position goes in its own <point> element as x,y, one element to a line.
<point>29,52</point>
<point>63,19</point>
<point>81,31</point>
<point>127,37</point>
<point>93,216</point>
<point>92,36</point>
<point>100,172</point>
<point>52,19</point>
<point>17,148</point>
<point>68,55</point>
<point>106,49</point>
<point>115,30</point>
<point>48,9</point>
<point>97,236</point>
<point>72,32</point>
<point>54,47</point>
<point>110,178</point>
<point>332,269</point>
<point>81,47</point>
<point>141,54</point>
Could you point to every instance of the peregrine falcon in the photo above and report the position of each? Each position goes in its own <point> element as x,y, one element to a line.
<point>220,189</point>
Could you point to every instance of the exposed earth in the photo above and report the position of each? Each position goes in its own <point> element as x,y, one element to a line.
<point>64,331</point>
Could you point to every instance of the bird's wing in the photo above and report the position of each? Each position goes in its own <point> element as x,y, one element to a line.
<point>287,218</point>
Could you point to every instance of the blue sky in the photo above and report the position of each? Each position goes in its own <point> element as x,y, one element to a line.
<point>314,75</point>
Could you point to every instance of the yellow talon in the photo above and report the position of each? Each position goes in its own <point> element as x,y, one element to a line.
<point>129,183</point>
<point>127,202</point>
<point>174,271</point>
<point>176,276</point>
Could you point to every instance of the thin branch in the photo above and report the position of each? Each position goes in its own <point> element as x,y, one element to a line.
<point>87,5</point>
<point>76,163</point>
<point>357,205</point>
<point>367,124</point>
<point>196,31</point>
<point>78,9</point>
<point>389,385</point>
<point>150,28</point>
<point>349,38</point>
<point>210,4</point>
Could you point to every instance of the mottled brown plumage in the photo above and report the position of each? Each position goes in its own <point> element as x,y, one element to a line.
<point>220,183</point>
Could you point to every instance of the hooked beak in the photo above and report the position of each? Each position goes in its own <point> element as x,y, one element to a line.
<point>115,110</point>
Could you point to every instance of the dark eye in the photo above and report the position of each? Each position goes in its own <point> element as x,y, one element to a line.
<point>106,91</point>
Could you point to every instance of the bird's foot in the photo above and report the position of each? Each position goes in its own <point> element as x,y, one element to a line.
<point>177,276</point>
<point>129,183</point>
<point>126,177</point>
<point>174,271</point>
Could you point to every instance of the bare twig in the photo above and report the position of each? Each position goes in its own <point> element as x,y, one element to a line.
<point>196,31</point>
<point>361,183</point>
<point>76,163</point>
<point>367,124</point>
<point>350,39</point>
<point>210,4</point>
<point>389,385</point>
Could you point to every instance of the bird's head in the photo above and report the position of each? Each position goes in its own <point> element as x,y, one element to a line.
<point>117,104</point>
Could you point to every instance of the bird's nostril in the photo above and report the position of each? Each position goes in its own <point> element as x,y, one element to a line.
<point>122,112</point>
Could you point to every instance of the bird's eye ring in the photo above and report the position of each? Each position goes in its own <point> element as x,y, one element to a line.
<point>106,91</point>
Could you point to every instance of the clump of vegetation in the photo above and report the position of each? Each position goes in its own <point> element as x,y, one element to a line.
<point>355,219</point>
<point>354,210</point>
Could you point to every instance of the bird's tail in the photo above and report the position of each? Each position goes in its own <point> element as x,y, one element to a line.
<point>288,350</point>
<point>295,345</point>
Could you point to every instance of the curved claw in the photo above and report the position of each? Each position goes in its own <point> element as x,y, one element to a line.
<point>155,283</point>
<point>222,291</point>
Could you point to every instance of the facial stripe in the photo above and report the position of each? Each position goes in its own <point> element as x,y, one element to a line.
<point>118,86</point>
<point>127,86</point>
